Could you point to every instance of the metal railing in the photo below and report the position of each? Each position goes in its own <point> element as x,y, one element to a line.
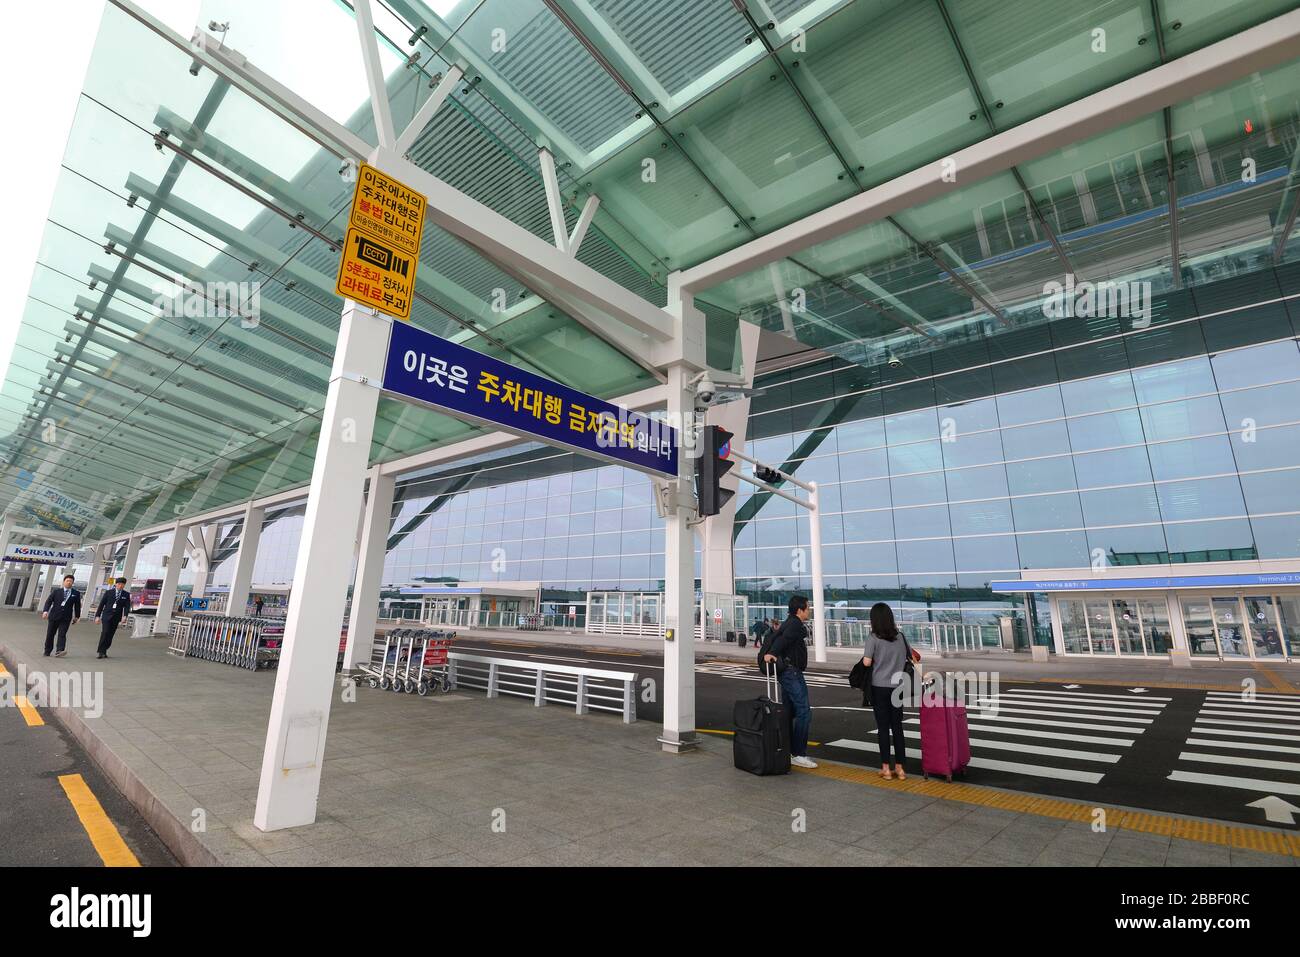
<point>178,636</point>
<point>241,642</point>
<point>949,636</point>
<point>584,689</point>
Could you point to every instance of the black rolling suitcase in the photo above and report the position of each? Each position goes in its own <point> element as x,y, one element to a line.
<point>761,744</point>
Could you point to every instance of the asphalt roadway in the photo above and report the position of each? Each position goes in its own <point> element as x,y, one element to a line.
<point>1215,754</point>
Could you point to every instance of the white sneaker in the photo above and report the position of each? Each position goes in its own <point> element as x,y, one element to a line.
<point>800,761</point>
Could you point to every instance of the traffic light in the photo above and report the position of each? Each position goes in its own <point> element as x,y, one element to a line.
<point>769,475</point>
<point>713,463</point>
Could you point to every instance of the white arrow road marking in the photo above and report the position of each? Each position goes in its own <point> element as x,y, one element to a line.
<point>1138,690</point>
<point>1276,809</point>
<point>1245,784</point>
<point>1071,687</point>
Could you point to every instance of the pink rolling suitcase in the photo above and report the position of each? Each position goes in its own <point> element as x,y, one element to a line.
<point>945,737</point>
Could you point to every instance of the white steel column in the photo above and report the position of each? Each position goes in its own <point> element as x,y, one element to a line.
<point>171,579</point>
<point>96,578</point>
<point>132,555</point>
<point>370,568</point>
<point>50,572</point>
<point>818,586</point>
<point>679,579</point>
<point>245,558</point>
<point>27,588</point>
<point>304,681</point>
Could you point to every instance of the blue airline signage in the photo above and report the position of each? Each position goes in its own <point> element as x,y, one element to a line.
<point>429,369</point>
<point>1176,581</point>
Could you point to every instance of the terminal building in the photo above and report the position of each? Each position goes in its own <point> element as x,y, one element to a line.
<point>1064,391</point>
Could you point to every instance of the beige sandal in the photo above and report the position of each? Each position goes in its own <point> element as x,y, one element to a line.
<point>887,775</point>
<point>901,774</point>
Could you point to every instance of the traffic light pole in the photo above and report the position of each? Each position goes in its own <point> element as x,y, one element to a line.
<point>818,598</point>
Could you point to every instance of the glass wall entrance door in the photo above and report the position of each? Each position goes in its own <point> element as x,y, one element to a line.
<point>1128,628</point>
<point>1155,625</point>
<point>1251,626</point>
<point>1198,622</point>
<point>1101,630</point>
<point>1264,629</point>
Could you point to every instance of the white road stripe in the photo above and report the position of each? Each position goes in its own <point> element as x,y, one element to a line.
<point>1046,723</point>
<point>1258,694</point>
<point>1097,694</point>
<point>1247,764</point>
<point>1211,717</point>
<point>1034,770</point>
<point>1253,705</point>
<point>1243,745</point>
<point>1053,735</point>
<point>1074,706</point>
<point>1002,709</point>
<point>1140,707</point>
<point>1199,728</point>
<point>1245,784</point>
<point>1264,711</point>
<point>996,745</point>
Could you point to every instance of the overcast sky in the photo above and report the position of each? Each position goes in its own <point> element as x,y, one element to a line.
<point>43,74</point>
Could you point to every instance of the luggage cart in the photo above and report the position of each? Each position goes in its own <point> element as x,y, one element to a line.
<point>375,669</point>
<point>433,656</point>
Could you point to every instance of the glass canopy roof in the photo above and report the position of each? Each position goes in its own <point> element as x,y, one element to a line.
<point>700,124</point>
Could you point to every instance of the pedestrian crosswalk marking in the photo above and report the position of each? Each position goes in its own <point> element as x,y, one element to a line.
<point>1003,709</point>
<point>1251,733</point>
<point>1244,745</point>
<point>1245,784</point>
<point>1094,694</point>
<point>1240,695</point>
<point>1213,717</point>
<point>1137,708</point>
<point>1199,728</point>
<point>1238,760</point>
<point>997,746</point>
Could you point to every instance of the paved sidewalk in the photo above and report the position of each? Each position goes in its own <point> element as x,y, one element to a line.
<point>411,780</point>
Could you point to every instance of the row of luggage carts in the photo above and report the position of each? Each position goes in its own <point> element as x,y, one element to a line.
<point>250,643</point>
<point>410,660</point>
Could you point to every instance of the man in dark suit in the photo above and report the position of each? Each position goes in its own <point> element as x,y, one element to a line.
<point>62,608</point>
<point>113,607</point>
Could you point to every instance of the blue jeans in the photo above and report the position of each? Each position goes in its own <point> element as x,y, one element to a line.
<point>795,690</point>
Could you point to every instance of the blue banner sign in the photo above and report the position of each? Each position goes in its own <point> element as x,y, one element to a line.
<point>194,604</point>
<point>1176,581</point>
<point>429,369</point>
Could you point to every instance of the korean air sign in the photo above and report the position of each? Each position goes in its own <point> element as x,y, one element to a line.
<point>471,386</point>
<point>34,555</point>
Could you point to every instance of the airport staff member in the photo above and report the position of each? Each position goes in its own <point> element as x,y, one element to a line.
<point>113,607</point>
<point>62,608</point>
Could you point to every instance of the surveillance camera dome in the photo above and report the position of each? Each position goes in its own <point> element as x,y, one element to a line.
<point>706,390</point>
<point>894,361</point>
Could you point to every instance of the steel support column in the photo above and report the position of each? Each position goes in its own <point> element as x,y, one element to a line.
<point>171,579</point>
<point>304,683</point>
<point>242,580</point>
<point>370,568</point>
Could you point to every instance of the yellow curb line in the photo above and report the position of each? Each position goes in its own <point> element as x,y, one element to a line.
<point>30,714</point>
<point>1275,680</point>
<point>1205,832</point>
<point>110,847</point>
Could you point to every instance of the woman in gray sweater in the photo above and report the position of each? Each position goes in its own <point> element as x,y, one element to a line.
<point>886,653</point>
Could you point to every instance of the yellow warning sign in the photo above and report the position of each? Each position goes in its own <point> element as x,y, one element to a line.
<point>382,248</point>
<point>375,274</point>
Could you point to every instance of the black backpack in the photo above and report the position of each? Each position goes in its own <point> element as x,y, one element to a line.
<point>765,648</point>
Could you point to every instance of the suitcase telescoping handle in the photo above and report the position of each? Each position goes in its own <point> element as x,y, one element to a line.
<point>773,685</point>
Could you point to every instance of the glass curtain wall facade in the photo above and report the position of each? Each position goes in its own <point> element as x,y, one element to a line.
<point>1078,443</point>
